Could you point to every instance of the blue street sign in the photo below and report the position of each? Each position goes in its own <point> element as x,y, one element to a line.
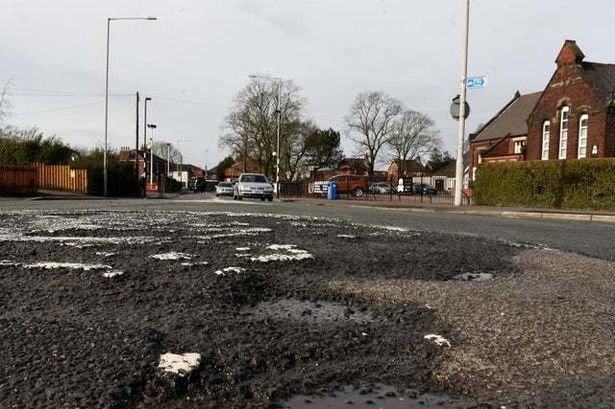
<point>476,82</point>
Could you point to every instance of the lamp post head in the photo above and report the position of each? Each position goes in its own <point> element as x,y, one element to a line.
<point>152,126</point>
<point>151,18</point>
<point>148,99</point>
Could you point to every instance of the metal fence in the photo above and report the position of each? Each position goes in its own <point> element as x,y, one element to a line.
<point>376,190</point>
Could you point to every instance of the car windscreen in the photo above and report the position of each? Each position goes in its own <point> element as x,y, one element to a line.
<point>225,184</point>
<point>254,179</point>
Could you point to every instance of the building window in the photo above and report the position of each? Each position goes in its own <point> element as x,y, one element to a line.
<point>563,133</point>
<point>583,125</point>
<point>546,135</point>
<point>519,146</point>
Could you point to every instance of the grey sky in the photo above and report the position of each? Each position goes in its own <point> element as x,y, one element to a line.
<point>199,54</point>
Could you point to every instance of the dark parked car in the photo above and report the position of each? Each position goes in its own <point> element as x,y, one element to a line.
<point>423,189</point>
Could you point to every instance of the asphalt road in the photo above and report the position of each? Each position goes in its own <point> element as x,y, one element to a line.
<point>95,293</point>
<point>590,239</point>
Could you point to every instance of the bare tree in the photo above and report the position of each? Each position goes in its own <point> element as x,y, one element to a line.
<point>4,101</point>
<point>413,134</point>
<point>294,148</point>
<point>160,150</point>
<point>250,130</point>
<point>370,123</point>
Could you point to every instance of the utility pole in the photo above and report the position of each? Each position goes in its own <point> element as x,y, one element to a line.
<point>137,145</point>
<point>277,164</point>
<point>462,105</point>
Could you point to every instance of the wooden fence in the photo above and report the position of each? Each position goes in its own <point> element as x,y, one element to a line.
<point>20,179</point>
<point>62,177</point>
<point>26,179</point>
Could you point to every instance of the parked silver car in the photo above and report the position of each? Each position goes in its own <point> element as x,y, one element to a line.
<point>253,185</point>
<point>380,188</point>
<point>224,189</point>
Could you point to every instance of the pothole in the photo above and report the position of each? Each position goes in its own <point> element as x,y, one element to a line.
<point>375,396</point>
<point>307,311</point>
<point>473,277</point>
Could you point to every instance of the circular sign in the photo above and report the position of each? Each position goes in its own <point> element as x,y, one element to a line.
<point>456,107</point>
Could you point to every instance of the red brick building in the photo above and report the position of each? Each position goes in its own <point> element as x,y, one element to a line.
<point>573,117</point>
<point>504,137</point>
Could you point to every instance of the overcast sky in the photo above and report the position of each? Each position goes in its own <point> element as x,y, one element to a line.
<point>198,55</point>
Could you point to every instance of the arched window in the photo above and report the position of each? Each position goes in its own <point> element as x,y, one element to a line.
<point>583,126</point>
<point>546,135</point>
<point>563,133</point>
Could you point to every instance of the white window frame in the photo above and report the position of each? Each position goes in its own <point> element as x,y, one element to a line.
<point>563,133</point>
<point>519,142</point>
<point>583,132</point>
<point>546,137</point>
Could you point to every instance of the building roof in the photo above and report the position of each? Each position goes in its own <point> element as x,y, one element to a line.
<point>412,165</point>
<point>511,120</point>
<point>602,77</point>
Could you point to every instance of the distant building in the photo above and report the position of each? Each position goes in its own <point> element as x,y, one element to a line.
<point>411,168</point>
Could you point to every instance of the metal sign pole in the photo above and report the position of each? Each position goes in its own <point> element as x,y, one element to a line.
<point>462,106</point>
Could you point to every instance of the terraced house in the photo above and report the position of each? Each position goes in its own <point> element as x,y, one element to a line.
<point>572,118</point>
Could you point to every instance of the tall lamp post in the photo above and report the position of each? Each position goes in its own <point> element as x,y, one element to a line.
<point>151,154</point>
<point>462,105</point>
<point>279,112</point>
<point>109,20</point>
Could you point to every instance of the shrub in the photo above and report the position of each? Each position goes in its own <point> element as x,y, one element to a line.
<point>572,184</point>
<point>121,178</point>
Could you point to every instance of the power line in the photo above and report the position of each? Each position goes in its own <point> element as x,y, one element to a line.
<point>70,95</point>
<point>67,108</point>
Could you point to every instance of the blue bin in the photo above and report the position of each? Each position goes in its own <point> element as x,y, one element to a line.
<point>331,191</point>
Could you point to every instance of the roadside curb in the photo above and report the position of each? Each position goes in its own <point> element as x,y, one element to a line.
<point>510,214</point>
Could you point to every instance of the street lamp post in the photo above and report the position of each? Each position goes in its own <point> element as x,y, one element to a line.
<point>462,105</point>
<point>109,20</point>
<point>151,154</point>
<point>279,112</point>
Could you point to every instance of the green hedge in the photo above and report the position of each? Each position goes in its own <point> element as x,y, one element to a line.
<point>569,184</point>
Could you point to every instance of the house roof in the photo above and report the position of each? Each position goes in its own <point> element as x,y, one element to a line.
<point>511,120</point>
<point>602,77</point>
<point>412,165</point>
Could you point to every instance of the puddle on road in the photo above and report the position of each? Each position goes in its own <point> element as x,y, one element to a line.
<point>307,311</point>
<point>377,396</point>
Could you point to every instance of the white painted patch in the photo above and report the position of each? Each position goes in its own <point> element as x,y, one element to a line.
<point>223,272</point>
<point>111,274</point>
<point>393,228</point>
<point>438,340</point>
<point>49,265</point>
<point>282,257</point>
<point>105,253</point>
<point>172,256</point>
<point>346,236</point>
<point>281,247</point>
<point>74,241</point>
<point>179,364</point>
<point>297,251</point>
<point>190,264</point>
<point>242,249</point>
<point>9,263</point>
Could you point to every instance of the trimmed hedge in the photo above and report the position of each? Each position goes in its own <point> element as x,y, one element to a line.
<point>568,184</point>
